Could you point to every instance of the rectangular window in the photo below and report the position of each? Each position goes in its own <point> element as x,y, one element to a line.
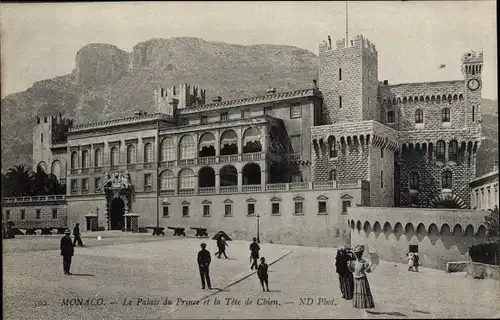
<point>299,207</point>
<point>382,153</point>
<point>390,116</point>
<point>251,209</point>
<point>268,110</point>
<point>223,116</point>
<point>228,210</point>
<point>340,101</point>
<point>340,74</point>
<point>74,184</point>
<point>23,214</point>
<point>38,214</point>
<point>275,208</point>
<point>206,210</point>
<point>345,204</point>
<point>204,119</point>
<point>165,211</point>
<point>296,143</point>
<point>85,184</point>
<point>445,115</point>
<point>41,138</point>
<point>322,207</point>
<point>97,183</point>
<point>413,248</point>
<point>245,114</point>
<point>54,213</point>
<point>185,210</point>
<point>382,179</point>
<point>148,180</point>
<point>295,111</point>
<point>7,214</point>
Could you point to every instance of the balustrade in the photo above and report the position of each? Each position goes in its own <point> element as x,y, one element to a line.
<point>228,189</point>
<point>186,192</point>
<point>277,187</point>
<point>299,186</point>
<point>252,188</point>
<point>205,191</point>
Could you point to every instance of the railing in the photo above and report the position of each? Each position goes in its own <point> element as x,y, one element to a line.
<point>186,192</point>
<point>228,189</point>
<point>252,156</point>
<point>85,170</point>
<point>207,160</point>
<point>277,187</point>
<point>205,191</point>
<point>33,199</point>
<point>252,188</point>
<point>299,186</point>
<point>228,158</point>
<point>325,185</point>
<point>295,157</point>
<point>169,192</point>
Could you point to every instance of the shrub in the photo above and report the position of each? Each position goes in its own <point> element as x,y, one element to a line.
<point>488,253</point>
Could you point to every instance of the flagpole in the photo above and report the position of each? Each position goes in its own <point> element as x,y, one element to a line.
<point>157,172</point>
<point>346,25</point>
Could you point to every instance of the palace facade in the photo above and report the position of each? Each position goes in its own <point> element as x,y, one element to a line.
<point>296,159</point>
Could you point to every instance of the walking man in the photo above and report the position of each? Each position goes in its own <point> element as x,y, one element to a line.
<point>76,233</point>
<point>416,259</point>
<point>221,244</point>
<point>254,253</point>
<point>204,260</point>
<point>67,251</point>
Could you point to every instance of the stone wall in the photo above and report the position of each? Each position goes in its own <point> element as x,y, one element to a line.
<point>482,271</point>
<point>46,220</point>
<point>381,176</point>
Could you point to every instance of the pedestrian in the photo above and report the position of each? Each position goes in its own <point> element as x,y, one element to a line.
<point>221,244</point>
<point>345,275</point>
<point>363,298</point>
<point>254,253</point>
<point>416,260</point>
<point>76,234</point>
<point>204,260</point>
<point>262,274</point>
<point>67,251</point>
<point>409,257</point>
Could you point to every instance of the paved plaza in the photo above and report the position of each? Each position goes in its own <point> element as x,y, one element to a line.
<point>145,277</point>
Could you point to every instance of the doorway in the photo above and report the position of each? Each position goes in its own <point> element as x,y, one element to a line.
<point>117,211</point>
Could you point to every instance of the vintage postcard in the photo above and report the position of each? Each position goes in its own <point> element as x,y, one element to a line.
<point>221,160</point>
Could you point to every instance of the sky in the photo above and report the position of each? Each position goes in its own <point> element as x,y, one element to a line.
<point>413,38</point>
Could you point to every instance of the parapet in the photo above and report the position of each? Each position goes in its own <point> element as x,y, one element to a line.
<point>472,57</point>
<point>359,41</point>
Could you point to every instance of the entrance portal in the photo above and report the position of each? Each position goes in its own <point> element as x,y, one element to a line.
<point>117,211</point>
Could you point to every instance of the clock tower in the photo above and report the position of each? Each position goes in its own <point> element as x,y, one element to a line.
<point>472,65</point>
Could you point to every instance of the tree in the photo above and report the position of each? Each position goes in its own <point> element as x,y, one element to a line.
<point>492,225</point>
<point>19,180</point>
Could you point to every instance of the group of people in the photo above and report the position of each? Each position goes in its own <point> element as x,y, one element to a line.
<point>413,261</point>
<point>352,269</point>
<point>204,259</point>
<point>67,247</point>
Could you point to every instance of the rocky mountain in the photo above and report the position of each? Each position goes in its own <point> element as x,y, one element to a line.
<point>110,83</point>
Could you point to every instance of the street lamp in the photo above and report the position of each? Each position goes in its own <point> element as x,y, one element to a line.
<point>258,231</point>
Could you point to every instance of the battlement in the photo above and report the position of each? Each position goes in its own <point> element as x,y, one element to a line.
<point>472,57</point>
<point>168,101</point>
<point>58,120</point>
<point>359,41</point>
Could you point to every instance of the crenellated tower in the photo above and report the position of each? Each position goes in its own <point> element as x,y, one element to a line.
<point>348,79</point>
<point>472,65</point>
<point>167,101</point>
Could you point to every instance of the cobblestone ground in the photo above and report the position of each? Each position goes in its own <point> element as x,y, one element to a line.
<point>167,269</point>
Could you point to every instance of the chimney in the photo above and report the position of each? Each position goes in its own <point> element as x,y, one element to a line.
<point>138,113</point>
<point>218,99</point>
<point>271,90</point>
<point>386,82</point>
<point>315,83</point>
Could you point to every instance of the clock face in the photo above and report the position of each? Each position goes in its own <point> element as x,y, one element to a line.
<point>474,84</point>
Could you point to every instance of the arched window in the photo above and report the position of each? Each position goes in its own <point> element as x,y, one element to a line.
<point>98,158</point>
<point>131,154</point>
<point>446,180</point>
<point>74,160</point>
<point>414,181</point>
<point>445,115</point>
<point>333,175</point>
<point>148,152</point>
<point>452,151</point>
<point>186,148</point>
<point>186,179</point>
<point>85,159</point>
<point>114,156</point>
<point>167,180</point>
<point>390,116</point>
<point>333,149</point>
<point>419,116</point>
<point>168,149</point>
<point>440,150</point>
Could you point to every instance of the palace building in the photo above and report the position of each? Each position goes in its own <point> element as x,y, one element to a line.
<point>296,159</point>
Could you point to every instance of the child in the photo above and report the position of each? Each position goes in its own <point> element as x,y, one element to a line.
<point>262,274</point>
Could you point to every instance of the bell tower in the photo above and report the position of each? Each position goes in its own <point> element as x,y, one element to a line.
<point>472,65</point>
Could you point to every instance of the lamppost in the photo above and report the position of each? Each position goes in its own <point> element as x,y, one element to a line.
<point>258,231</point>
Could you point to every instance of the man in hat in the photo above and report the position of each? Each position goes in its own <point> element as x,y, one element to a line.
<point>221,245</point>
<point>76,233</point>
<point>204,260</point>
<point>254,253</point>
<point>67,251</point>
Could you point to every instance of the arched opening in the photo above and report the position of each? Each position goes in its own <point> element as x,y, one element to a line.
<point>98,158</point>
<point>148,152</point>
<point>228,176</point>
<point>186,179</point>
<point>352,224</point>
<point>85,159</point>
<point>409,230</point>
<point>186,148</point>
<point>207,145</point>
<point>398,229</point>
<point>457,231</point>
<point>277,173</point>
<point>251,140</point>
<point>131,154</point>
<point>74,160</point>
<point>445,230</point>
<point>114,156</point>
<point>376,228</point>
<point>387,228</point>
<point>421,231</point>
<point>433,233</point>
<point>167,180</point>
<point>358,225</point>
<point>251,174</point>
<point>56,169</point>
<point>481,232</point>
<point>117,210</point>
<point>42,165</point>
<point>453,151</point>
<point>333,175</point>
<point>168,149</point>
<point>440,151</point>
<point>206,177</point>
<point>228,143</point>
<point>367,228</point>
<point>469,231</point>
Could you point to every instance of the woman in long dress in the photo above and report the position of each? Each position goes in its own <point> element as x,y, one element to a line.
<point>363,298</point>
<point>345,276</point>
